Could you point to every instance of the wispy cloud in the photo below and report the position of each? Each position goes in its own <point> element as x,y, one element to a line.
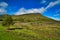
<point>2,10</point>
<point>3,5</point>
<point>37,10</point>
<point>25,11</point>
<point>43,1</point>
<point>58,11</point>
<point>54,18</point>
<point>51,4</point>
<point>57,15</point>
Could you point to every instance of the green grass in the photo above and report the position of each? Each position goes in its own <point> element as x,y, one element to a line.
<point>30,32</point>
<point>2,28</point>
<point>34,27</point>
<point>37,17</point>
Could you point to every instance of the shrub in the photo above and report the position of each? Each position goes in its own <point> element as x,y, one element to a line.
<point>7,20</point>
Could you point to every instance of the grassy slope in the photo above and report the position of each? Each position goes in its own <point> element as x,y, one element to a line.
<point>32,30</point>
<point>32,18</point>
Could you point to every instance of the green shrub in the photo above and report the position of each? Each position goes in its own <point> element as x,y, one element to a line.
<point>7,20</point>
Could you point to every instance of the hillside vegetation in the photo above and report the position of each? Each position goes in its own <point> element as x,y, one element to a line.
<point>37,17</point>
<point>31,27</point>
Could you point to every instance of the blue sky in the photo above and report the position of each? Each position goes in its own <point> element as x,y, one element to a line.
<point>49,8</point>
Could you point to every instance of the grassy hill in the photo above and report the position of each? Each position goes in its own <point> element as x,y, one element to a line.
<point>32,17</point>
<point>31,27</point>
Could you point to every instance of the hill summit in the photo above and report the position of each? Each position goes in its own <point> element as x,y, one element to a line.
<point>32,17</point>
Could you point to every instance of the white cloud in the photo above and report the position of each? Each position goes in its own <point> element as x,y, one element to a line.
<point>25,11</point>
<point>58,11</point>
<point>3,5</point>
<point>43,1</point>
<point>20,11</point>
<point>54,18</point>
<point>2,10</point>
<point>51,4</point>
<point>57,15</point>
<point>37,10</point>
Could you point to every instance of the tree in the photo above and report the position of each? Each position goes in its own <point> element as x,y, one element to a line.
<point>7,20</point>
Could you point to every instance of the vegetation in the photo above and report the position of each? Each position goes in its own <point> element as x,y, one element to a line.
<point>7,20</point>
<point>32,18</point>
<point>30,27</point>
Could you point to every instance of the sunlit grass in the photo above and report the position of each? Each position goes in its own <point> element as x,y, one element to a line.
<point>30,32</point>
<point>33,27</point>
